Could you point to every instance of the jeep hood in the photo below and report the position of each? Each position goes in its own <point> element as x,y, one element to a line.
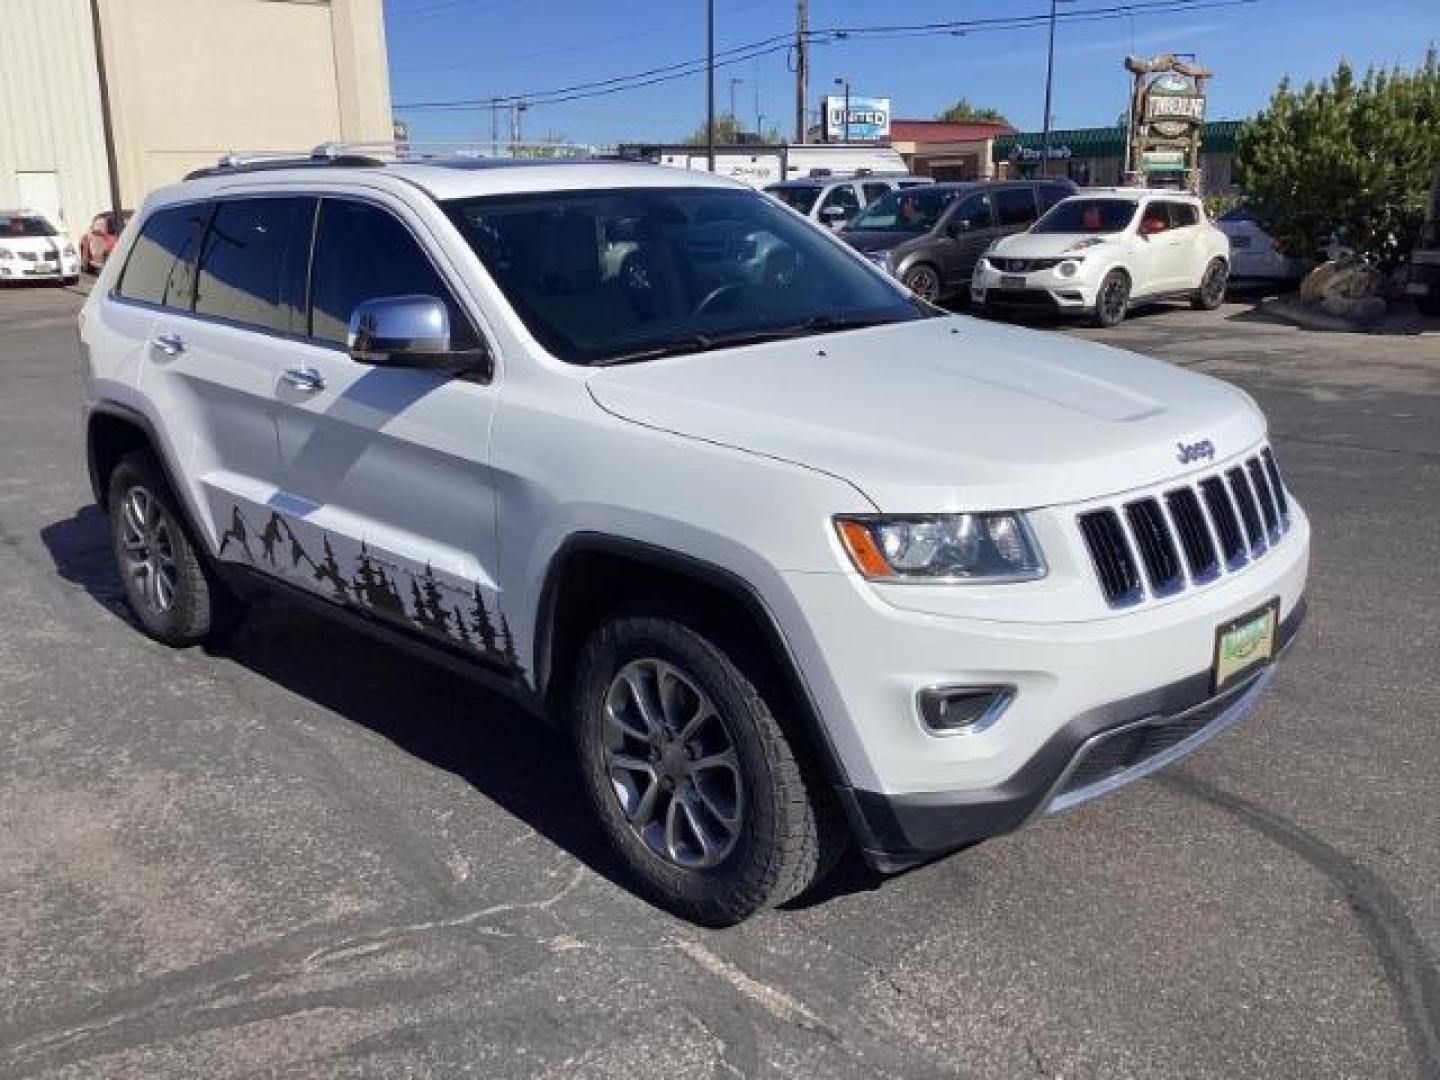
<point>1029,245</point>
<point>943,414</point>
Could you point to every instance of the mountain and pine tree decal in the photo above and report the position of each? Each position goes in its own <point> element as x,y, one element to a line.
<point>425,602</point>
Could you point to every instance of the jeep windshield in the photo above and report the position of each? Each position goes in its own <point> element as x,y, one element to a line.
<point>910,210</point>
<point>633,274</point>
<point>13,225</point>
<point>1087,216</point>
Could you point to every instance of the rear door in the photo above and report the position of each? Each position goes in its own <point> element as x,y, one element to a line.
<point>204,385</point>
<point>1184,253</point>
<point>387,495</point>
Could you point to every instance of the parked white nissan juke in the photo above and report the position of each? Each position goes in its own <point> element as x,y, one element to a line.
<point>1101,252</point>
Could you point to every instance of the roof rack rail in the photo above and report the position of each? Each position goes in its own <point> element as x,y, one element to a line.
<point>327,154</point>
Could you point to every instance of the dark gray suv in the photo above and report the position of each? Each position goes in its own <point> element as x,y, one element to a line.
<point>930,237</point>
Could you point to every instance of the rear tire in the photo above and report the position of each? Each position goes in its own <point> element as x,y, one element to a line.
<point>655,700</point>
<point>1112,299</point>
<point>173,592</point>
<point>1211,293</point>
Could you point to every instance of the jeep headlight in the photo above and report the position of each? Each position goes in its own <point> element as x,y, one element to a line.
<point>942,547</point>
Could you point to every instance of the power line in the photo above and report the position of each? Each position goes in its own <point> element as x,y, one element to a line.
<point>786,41</point>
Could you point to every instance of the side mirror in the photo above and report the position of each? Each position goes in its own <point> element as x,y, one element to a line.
<point>406,332</point>
<point>833,214</point>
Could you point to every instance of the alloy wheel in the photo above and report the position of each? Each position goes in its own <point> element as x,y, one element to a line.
<point>1114,295</point>
<point>673,766</point>
<point>923,282</point>
<point>147,549</point>
<point>1212,289</point>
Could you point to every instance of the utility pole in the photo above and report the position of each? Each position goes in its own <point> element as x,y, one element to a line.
<point>802,64</point>
<point>710,83</point>
<point>1049,79</point>
<point>106,121</point>
<point>845,123</point>
<point>494,128</point>
<point>734,116</point>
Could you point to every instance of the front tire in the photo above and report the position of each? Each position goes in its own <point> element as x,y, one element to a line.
<point>171,589</point>
<point>1112,299</point>
<point>1211,293</point>
<point>923,280</point>
<point>691,776</point>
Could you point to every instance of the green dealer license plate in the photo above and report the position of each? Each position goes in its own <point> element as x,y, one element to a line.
<point>1243,644</point>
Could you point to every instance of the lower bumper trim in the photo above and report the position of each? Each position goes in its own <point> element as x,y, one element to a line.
<point>1094,754</point>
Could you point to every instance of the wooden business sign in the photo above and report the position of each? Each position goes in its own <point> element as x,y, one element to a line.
<point>1167,115</point>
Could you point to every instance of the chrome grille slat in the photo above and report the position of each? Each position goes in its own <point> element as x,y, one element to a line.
<point>1188,535</point>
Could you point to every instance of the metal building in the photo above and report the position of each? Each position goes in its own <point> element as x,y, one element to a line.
<point>186,81</point>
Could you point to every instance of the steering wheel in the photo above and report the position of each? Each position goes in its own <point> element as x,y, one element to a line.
<point>716,295</point>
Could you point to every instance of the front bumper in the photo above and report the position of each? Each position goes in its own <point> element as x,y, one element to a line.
<point>66,267</point>
<point>1095,753</point>
<point>1039,290</point>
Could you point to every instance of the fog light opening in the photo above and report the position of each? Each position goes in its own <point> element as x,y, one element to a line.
<point>963,710</point>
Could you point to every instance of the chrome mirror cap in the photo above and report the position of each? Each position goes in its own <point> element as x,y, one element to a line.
<point>400,330</point>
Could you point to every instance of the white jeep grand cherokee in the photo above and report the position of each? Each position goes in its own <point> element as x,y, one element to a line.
<point>796,558</point>
<point>1103,250</point>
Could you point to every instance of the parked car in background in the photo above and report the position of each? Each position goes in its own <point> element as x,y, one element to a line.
<point>930,238</point>
<point>1424,283</point>
<point>1099,252</point>
<point>33,249</point>
<point>835,200</point>
<point>100,240</point>
<point>1255,255</point>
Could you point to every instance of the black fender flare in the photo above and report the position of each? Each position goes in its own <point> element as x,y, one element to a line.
<point>705,573</point>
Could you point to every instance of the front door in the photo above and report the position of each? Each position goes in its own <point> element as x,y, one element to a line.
<point>969,228</point>
<point>387,500</point>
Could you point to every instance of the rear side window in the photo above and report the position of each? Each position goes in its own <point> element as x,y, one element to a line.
<point>1016,206</point>
<point>253,263</point>
<point>364,253</point>
<point>161,264</point>
<point>1182,214</point>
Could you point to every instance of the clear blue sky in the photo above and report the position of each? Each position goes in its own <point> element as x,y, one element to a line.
<point>448,49</point>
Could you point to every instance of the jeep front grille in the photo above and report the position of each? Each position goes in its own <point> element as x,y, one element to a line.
<point>1187,535</point>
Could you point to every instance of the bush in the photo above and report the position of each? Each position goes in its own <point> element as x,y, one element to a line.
<point>1349,160</point>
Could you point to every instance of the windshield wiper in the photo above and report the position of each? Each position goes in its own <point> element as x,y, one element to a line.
<point>694,343</point>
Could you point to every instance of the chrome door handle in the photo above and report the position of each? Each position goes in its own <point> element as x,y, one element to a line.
<point>170,344</point>
<point>303,379</point>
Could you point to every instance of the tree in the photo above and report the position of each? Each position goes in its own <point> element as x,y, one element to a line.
<point>728,130</point>
<point>1346,158</point>
<point>962,112</point>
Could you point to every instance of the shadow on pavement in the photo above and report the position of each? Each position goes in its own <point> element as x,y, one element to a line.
<point>508,756</point>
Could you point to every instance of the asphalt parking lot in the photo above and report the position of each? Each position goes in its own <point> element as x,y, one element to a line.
<point>306,856</point>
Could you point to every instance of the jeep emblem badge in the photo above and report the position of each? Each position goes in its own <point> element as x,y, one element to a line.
<point>1204,450</point>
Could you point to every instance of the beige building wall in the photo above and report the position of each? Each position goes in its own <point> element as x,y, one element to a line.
<point>190,80</point>
<point>50,133</point>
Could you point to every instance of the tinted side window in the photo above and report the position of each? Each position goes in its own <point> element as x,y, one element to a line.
<point>1050,194</point>
<point>159,270</point>
<point>976,211</point>
<point>1182,214</point>
<point>364,253</point>
<point>873,191</point>
<point>1016,206</point>
<point>844,197</point>
<point>253,262</point>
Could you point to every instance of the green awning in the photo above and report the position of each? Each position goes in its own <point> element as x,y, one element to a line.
<point>1218,138</point>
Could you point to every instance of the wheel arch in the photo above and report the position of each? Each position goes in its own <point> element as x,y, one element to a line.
<point>113,430</point>
<point>593,574</point>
